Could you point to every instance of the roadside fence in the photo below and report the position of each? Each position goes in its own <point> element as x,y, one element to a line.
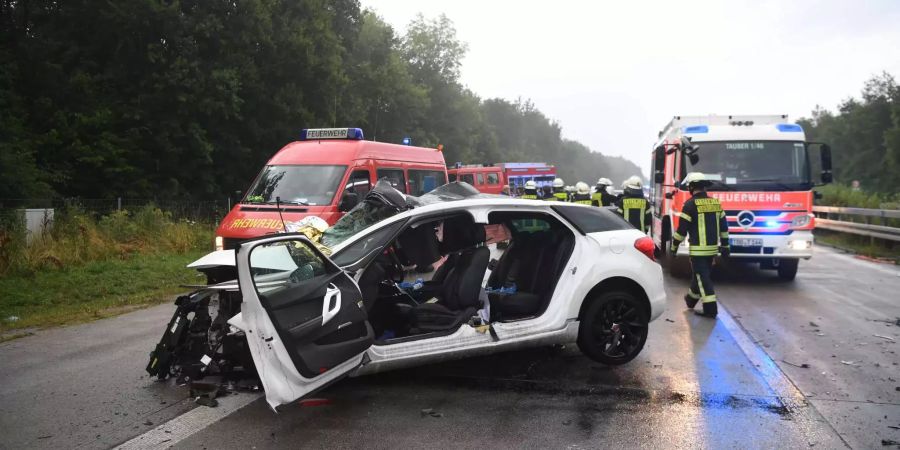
<point>872,223</point>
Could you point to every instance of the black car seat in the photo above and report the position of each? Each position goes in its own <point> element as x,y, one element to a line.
<point>534,268</point>
<point>458,299</point>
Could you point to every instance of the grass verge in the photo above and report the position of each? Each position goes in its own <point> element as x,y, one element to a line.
<point>92,291</point>
<point>860,245</point>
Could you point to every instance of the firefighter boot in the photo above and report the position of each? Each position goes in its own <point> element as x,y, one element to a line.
<point>710,309</point>
<point>690,301</point>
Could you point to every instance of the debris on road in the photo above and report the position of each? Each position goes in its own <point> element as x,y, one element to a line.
<point>885,337</point>
<point>849,363</point>
<point>431,412</point>
<point>886,442</point>
<point>802,366</point>
<point>670,320</point>
<point>813,324</point>
<point>314,402</point>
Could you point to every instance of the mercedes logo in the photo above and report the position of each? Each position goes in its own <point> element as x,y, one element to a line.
<point>746,219</point>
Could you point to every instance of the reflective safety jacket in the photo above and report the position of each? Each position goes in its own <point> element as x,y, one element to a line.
<point>529,195</point>
<point>603,198</point>
<point>634,208</point>
<point>583,199</point>
<point>558,197</point>
<point>704,220</point>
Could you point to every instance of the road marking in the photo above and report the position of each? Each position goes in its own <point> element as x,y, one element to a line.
<point>805,413</point>
<point>189,423</point>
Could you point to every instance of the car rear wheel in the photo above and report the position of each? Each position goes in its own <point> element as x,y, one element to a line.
<point>613,328</point>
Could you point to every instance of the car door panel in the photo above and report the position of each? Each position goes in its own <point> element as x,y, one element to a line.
<point>305,325</point>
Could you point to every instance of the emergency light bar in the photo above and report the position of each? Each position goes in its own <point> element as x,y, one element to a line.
<point>331,133</point>
<point>789,128</point>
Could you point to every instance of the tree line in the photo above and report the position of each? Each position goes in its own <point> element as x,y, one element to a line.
<point>188,98</point>
<point>864,134</point>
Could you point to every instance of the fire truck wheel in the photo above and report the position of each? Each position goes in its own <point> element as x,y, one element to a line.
<point>787,269</point>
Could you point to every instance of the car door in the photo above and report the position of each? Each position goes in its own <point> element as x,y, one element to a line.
<point>302,315</point>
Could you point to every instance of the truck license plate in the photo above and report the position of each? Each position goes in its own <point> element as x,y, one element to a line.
<point>746,242</point>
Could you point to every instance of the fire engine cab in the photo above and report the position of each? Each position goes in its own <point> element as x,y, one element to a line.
<point>491,178</point>
<point>325,174</point>
<point>759,169</point>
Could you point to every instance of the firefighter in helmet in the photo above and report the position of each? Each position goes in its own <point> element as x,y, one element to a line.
<point>602,196</point>
<point>632,205</point>
<point>582,194</point>
<point>702,220</point>
<point>559,191</point>
<point>530,190</point>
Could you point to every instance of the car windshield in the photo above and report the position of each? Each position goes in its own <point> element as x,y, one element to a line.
<point>757,165</point>
<point>300,184</point>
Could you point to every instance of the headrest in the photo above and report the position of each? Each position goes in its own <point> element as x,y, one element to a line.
<point>420,244</point>
<point>461,232</point>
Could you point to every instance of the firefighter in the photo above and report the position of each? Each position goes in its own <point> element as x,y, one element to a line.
<point>703,221</point>
<point>530,190</point>
<point>601,196</point>
<point>570,192</point>
<point>582,194</point>
<point>632,205</point>
<point>559,191</point>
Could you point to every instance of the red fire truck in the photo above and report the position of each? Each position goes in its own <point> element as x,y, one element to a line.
<point>491,178</point>
<point>326,173</point>
<point>759,168</point>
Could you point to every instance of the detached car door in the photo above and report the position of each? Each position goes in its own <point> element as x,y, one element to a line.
<point>302,315</point>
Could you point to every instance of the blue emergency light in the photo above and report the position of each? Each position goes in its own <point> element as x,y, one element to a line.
<point>771,223</point>
<point>407,141</point>
<point>696,129</point>
<point>309,134</point>
<point>789,128</point>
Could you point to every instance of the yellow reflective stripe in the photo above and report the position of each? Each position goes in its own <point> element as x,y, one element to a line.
<point>550,199</point>
<point>701,228</point>
<point>678,237</point>
<point>583,202</point>
<point>708,299</point>
<point>685,216</point>
<point>693,295</point>
<point>529,197</point>
<point>700,285</point>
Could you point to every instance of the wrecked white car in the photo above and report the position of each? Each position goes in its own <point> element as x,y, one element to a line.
<point>499,274</point>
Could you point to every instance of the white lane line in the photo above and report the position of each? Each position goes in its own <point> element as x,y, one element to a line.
<point>806,414</point>
<point>193,421</point>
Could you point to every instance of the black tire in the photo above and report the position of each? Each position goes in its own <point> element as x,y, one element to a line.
<point>787,269</point>
<point>597,335</point>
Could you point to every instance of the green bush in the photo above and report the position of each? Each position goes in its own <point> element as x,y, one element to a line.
<point>77,237</point>
<point>843,195</point>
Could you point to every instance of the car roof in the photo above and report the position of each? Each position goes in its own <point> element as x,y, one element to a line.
<point>343,151</point>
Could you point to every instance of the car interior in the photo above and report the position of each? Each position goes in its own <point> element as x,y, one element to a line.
<point>446,271</point>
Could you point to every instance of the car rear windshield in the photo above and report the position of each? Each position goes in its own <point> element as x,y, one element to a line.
<point>300,184</point>
<point>592,220</point>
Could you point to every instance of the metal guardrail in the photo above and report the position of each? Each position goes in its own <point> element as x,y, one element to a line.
<point>862,229</point>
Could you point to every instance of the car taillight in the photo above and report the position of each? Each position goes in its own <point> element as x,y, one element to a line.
<point>646,246</point>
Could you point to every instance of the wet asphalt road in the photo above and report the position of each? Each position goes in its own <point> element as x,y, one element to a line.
<point>698,383</point>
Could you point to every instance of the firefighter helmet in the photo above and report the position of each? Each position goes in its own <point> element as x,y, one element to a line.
<point>530,184</point>
<point>582,188</point>
<point>695,179</point>
<point>634,182</point>
<point>558,183</point>
<point>604,182</point>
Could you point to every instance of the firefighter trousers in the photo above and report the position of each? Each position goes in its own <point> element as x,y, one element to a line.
<point>701,284</point>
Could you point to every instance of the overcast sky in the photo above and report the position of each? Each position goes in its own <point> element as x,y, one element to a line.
<point>614,73</point>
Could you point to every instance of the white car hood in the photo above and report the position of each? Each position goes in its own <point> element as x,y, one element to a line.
<point>215,259</point>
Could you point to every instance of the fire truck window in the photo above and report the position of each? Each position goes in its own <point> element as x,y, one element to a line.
<point>468,178</point>
<point>359,183</point>
<point>493,178</point>
<point>452,177</point>
<point>424,181</point>
<point>395,177</point>
<point>480,178</point>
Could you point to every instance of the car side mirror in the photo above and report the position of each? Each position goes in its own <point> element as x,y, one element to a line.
<point>659,177</point>
<point>693,158</point>
<point>825,155</point>
<point>348,201</point>
<point>669,195</point>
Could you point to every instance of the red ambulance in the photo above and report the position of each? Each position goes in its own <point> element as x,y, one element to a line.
<point>325,174</point>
